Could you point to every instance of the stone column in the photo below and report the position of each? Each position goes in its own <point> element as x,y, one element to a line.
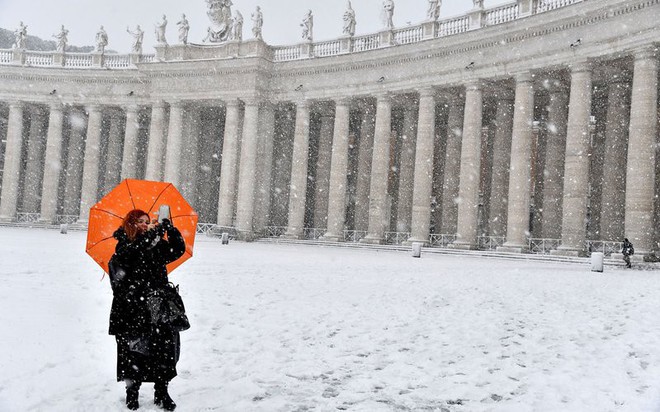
<point>298,188</point>
<point>338,173</point>
<point>248,168</point>
<point>12,166</point>
<point>501,161</point>
<point>172,172</point>
<point>468,192</point>
<point>640,172</point>
<point>407,171</point>
<point>157,131</point>
<point>576,167</point>
<point>53,163</point>
<point>520,166</point>
<point>265,166</point>
<point>365,152</point>
<point>423,171</point>
<point>380,166</point>
<point>34,165</point>
<point>613,204</point>
<point>75,159</point>
<point>452,166</point>
<point>114,153</point>
<point>129,157</point>
<point>90,178</point>
<point>190,154</point>
<point>228,166</point>
<point>323,172</point>
<point>553,183</point>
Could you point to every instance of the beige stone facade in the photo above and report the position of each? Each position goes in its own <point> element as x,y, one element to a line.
<point>529,127</point>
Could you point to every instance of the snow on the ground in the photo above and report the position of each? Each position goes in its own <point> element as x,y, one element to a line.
<point>306,328</point>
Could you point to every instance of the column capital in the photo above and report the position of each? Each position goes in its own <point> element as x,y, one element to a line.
<point>131,108</point>
<point>581,66</point>
<point>426,92</point>
<point>303,104</point>
<point>158,104</point>
<point>252,100</point>
<point>648,52</point>
<point>523,77</point>
<point>94,107</point>
<point>384,96</point>
<point>175,104</point>
<point>17,104</point>
<point>343,101</point>
<point>57,106</point>
<point>474,85</point>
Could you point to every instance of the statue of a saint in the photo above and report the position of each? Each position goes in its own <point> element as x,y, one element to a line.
<point>433,12</point>
<point>308,26</point>
<point>101,40</point>
<point>184,27</point>
<point>62,39</point>
<point>237,26</point>
<point>138,36</point>
<point>257,23</point>
<point>161,28</point>
<point>349,21</point>
<point>20,36</point>
<point>478,4</point>
<point>388,13</point>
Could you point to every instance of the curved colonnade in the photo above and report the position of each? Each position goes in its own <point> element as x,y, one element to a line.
<point>538,133</point>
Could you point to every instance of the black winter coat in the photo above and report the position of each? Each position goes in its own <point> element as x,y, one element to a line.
<point>142,267</point>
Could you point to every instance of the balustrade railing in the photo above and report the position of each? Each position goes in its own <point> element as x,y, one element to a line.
<point>543,246</point>
<point>354,235</point>
<point>606,247</point>
<point>117,61</point>
<point>286,53</point>
<point>502,14</point>
<point>368,42</point>
<point>409,35</point>
<point>328,48</point>
<point>147,58</point>
<point>6,56</point>
<point>33,58</point>
<point>453,26</point>
<point>77,60</point>
<point>547,5</point>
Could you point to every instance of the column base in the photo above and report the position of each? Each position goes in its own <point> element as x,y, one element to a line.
<point>568,252</point>
<point>372,240</point>
<point>331,237</point>
<point>463,246</point>
<point>245,236</point>
<point>410,241</point>
<point>511,248</point>
<point>7,219</point>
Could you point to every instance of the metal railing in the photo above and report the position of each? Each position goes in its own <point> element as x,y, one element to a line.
<point>606,247</point>
<point>65,219</point>
<point>354,235</point>
<point>205,228</point>
<point>490,242</point>
<point>312,233</point>
<point>275,231</point>
<point>441,240</point>
<point>396,238</point>
<point>543,246</point>
<point>24,217</point>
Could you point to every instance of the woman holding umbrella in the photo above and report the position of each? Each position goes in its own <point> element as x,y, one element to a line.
<point>145,352</point>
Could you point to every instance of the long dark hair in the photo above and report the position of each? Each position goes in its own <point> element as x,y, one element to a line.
<point>130,223</point>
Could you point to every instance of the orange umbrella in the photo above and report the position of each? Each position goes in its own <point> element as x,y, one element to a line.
<point>107,215</point>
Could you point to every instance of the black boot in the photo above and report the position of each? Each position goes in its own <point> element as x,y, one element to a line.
<point>132,394</point>
<point>162,398</point>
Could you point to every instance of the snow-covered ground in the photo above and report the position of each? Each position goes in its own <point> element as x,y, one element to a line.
<point>302,328</point>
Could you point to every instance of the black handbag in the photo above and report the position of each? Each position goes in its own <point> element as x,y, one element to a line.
<point>166,308</point>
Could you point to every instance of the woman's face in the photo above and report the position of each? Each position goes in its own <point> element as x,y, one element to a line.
<point>142,224</point>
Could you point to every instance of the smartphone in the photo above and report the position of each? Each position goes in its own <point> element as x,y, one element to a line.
<point>163,213</point>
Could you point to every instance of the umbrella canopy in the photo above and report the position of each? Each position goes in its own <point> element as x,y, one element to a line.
<point>107,215</point>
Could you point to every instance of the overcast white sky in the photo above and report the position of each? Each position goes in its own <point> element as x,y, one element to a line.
<point>281,17</point>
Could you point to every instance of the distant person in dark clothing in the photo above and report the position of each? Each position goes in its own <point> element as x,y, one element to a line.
<point>628,250</point>
<point>138,268</point>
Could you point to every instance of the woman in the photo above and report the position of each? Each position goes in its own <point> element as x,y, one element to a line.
<point>145,353</point>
